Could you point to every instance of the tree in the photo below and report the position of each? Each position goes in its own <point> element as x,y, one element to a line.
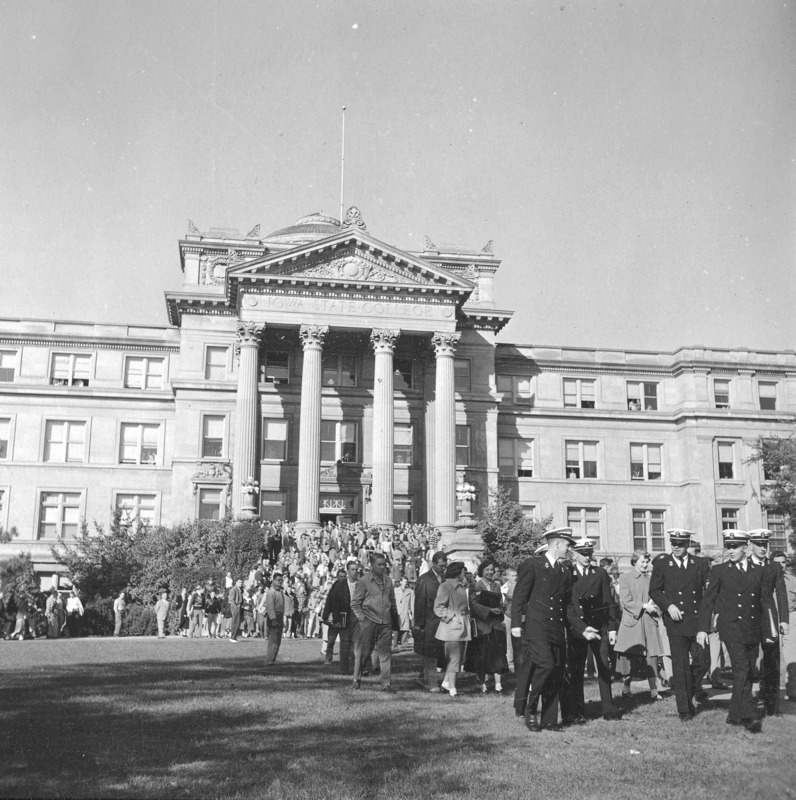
<point>8,535</point>
<point>245,547</point>
<point>18,576</point>
<point>778,456</point>
<point>99,563</point>
<point>509,536</point>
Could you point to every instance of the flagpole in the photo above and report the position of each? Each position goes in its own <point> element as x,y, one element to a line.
<point>342,166</point>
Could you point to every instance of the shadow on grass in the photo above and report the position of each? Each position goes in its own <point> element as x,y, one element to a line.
<point>222,728</point>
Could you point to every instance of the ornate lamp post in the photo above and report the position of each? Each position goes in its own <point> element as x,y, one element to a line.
<point>465,494</point>
<point>250,489</point>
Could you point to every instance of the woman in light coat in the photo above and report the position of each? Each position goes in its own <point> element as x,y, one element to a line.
<point>452,606</point>
<point>638,631</point>
<point>405,602</point>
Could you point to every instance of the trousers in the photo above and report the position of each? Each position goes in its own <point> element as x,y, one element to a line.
<point>374,636</point>
<point>743,657</point>
<point>688,660</point>
<point>541,675</point>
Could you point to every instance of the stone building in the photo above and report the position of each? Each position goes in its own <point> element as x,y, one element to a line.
<point>319,373</point>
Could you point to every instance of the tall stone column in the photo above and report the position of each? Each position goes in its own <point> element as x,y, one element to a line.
<point>444,502</point>
<point>244,465</point>
<point>383,429</point>
<point>309,474</point>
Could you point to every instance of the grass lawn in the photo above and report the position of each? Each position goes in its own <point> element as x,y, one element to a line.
<point>202,719</point>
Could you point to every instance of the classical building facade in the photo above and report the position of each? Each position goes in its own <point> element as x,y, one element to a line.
<point>319,373</point>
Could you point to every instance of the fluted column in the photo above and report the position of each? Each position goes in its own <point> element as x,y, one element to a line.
<point>309,474</point>
<point>244,466</point>
<point>383,429</point>
<point>445,436</point>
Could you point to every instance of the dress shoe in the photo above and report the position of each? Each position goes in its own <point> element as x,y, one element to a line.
<point>686,716</point>
<point>700,695</point>
<point>356,684</point>
<point>532,721</point>
<point>753,726</point>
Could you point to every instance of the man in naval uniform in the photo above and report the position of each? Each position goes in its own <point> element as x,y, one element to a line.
<point>543,599</point>
<point>775,623</point>
<point>739,592</point>
<point>676,586</point>
<point>594,604</point>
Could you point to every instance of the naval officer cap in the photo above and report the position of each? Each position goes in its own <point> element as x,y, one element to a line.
<point>734,538</point>
<point>759,536</point>
<point>542,548</point>
<point>583,545</point>
<point>680,536</point>
<point>559,533</point>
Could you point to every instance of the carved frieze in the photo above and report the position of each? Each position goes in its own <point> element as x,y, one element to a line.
<point>353,268</point>
<point>212,472</point>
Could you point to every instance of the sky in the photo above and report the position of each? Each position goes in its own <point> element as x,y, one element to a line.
<point>633,161</point>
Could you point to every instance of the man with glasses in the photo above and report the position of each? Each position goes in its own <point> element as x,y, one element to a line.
<point>373,604</point>
<point>775,624</point>
<point>739,593</point>
<point>339,618</point>
<point>274,617</point>
<point>676,586</point>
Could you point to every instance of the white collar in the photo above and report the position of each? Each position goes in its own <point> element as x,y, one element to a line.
<point>553,561</point>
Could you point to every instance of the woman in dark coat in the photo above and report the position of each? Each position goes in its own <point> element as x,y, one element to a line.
<point>489,648</point>
<point>638,631</point>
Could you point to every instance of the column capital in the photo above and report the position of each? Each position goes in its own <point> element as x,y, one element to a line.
<point>445,343</point>
<point>383,339</point>
<point>249,334</point>
<point>312,336</point>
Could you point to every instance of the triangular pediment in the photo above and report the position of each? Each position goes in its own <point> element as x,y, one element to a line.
<point>353,259</point>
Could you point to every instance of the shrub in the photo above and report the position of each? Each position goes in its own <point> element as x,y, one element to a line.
<point>98,619</point>
<point>139,620</point>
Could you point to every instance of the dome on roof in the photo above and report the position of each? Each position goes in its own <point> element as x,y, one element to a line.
<point>306,229</point>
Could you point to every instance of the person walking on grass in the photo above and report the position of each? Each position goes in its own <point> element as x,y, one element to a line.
<point>162,613</point>
<point>275,615</point>
<point>235,600</point>
<point>119,605</point>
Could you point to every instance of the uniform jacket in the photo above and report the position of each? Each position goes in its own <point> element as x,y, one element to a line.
<point>775,580</point>
<point>543,595</point>
<point>673,585</point>
<point>593,598</point>
<point>425,596</point>
<point>741,599</point>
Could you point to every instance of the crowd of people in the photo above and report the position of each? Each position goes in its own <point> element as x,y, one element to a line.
<point>675,619</point>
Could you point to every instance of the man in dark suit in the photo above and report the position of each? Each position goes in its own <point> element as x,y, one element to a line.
<point>594,604</point>
<point>427,622</point>
<point>543,599</point>
<point>740,594</point>
<point>235,599</point>
<point>776,622</point>
<point>337,615</point>
<point>676,586</point>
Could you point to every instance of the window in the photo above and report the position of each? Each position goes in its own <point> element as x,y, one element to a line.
<point>213,436</point>
<point>59,515</point>
<point>216,362</point>
<point>70,369</point>
<point>403,444</point>
<point>143,373</point>
<point>515,458</point>
<point>139,443</point>
<point>210,502</point>
<point>8,366</point>
<point>339,370</point>
<point>276,368</point>
<point>721,392</point>
<point>581,459</point>
<point>339,441</point>
<point>645,462</point>
<point>136,509</point>
<point>274,506</point>
<point>64,440</point>
<point>3,506</point>
<point>517,386</point>
<point>529,511</point>
<point>403,374</point>
<point>726,459</point>
<point>648,530</point>
<point>462,445</point>
<point>729,519</point>
<point>585,522</point>
<point>275,439</point>
<point>578,393</point>
<point>767,392</point>
<point>402,510</point>
<point>769,469</point>
<point>642,396</point>
<point>5,437</point>
<point>776,524</point>
<point>461,374</point>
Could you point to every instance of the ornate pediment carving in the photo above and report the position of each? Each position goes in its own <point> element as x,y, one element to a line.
<point>342,473</point>
<point>212,472</point>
